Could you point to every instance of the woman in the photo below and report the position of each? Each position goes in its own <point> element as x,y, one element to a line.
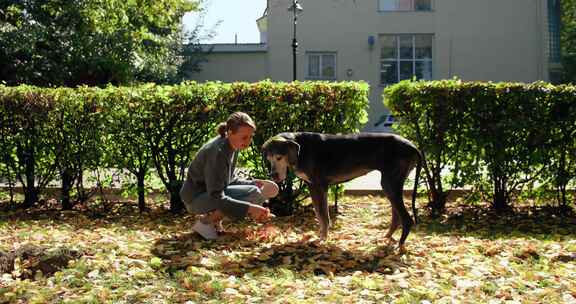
<point>211,187</point>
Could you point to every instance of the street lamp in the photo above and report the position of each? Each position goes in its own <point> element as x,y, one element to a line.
<point>295,8</point>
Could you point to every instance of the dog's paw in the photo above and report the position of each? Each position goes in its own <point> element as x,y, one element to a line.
<point>402,249</point>
<point>389,241</point>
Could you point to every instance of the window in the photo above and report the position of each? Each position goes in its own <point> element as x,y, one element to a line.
<point>405,56</point>
<point>405,5</point>
<point>321,65</point>
<point>554,12</point>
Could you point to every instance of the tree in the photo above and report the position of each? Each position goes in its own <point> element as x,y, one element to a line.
<point>93,42</point>
<point>129,146</point>
<point>27,142</point>
<point>184,55</point>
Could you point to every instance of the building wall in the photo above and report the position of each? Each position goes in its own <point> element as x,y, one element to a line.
<point>490,40</point>
<point>230,67</point>
<point>487,40</point>
<point>474,40</point>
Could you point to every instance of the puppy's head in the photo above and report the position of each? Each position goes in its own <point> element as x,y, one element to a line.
<point>281,153</point>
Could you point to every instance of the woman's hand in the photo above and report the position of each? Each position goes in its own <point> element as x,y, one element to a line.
<point>259,183</point>
<point>259,214</point>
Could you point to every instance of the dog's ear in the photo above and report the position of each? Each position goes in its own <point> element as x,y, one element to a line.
<point>281,145</point>
<point>293,152</point>
<point>271,144</point>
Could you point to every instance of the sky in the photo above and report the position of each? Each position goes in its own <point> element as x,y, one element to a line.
<point>237,17</point>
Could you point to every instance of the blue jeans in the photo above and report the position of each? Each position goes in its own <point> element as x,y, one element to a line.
<point>234,205</point>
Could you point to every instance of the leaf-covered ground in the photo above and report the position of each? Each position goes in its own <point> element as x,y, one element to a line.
<point>468,256</point>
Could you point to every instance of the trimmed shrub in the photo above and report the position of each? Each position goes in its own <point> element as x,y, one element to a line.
<point>496,137</point>
<point>45,130</point>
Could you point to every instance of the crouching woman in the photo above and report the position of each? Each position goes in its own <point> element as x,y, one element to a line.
<point>213,190</point>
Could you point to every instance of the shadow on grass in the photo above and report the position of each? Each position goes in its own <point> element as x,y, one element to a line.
<point>125,214</point>
<point>319,259</point>
<point>542,223</point>
<point>304,256</point>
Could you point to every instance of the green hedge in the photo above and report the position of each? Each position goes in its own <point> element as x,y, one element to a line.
<point>497,137</point>
<point>50,134</point>
<point>27,148</point>
<point>308,106</point>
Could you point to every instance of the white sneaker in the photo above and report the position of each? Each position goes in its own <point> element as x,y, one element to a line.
<point>205,230</point>
<point>269,189</point>
<point>219,227</point>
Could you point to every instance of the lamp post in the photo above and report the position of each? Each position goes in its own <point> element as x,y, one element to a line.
<point>295,8</point>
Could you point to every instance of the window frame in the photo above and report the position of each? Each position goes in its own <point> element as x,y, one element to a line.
<point>320,54</point>
<point>398,57</point>
<point>412,7</point>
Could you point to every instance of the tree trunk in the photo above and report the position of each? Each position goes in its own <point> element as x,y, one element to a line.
<point>563,198</point>
<point>30,191</point>
<point>562,179</point>
<point>30,197</point>
<point>80,186</point>
<point>141,195</point>
<point>67,182</point>
<point>176,205</point>
<point>438,202</point>
<point>500,201</point>
<point>11,185</point>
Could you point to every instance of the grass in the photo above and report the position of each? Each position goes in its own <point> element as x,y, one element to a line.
<point>468,256</point>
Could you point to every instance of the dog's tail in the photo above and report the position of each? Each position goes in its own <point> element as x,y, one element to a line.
<point>415,192</point>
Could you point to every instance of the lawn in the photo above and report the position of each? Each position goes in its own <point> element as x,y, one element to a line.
<point>468,256</point>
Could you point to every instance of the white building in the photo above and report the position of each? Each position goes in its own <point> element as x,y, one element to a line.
<point>384,41</point>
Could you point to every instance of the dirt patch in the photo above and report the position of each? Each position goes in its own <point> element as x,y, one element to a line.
<point>27,261</point>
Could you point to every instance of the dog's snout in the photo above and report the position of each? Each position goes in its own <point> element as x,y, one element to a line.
<point>275,176</point>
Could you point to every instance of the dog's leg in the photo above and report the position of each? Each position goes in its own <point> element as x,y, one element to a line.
<point>393,226</point>
<point>405,218</point>
<point>392,186</point>
<point>320,201</point>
